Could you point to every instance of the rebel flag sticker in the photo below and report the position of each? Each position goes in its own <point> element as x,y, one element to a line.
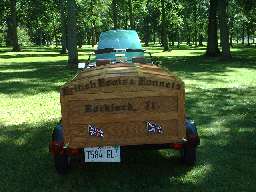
<point>154,127</point>
<point>94,131</point>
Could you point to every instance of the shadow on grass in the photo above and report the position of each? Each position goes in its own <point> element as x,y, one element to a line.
<point>40,53</point>
<point>190,66</point>
<point>226,156</point>
<point>30,49</point>
<point>225,118</point>
<point>33,78</point>
<point>40,49</point>
<point>226,123</point>
<point>234,107</point>
<point>26,164</point>
<point>29,55</point>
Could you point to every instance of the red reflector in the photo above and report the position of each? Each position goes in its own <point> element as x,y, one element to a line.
<point>55,147</point>
<point>73,151</point>
<point>176,146</point>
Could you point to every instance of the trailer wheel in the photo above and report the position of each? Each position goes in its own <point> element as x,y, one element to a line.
<point>188,155</point>
<point>62,163</point>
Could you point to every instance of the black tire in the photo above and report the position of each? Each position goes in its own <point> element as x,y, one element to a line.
<point>62,163</point>
<point>188,155</point>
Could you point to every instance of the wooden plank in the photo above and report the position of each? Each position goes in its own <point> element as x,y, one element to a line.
<point>122,69</point>
<point>125,75</point>
<point>116,83</point>
<point>106,118</point>
<point>120,94</point>
<point>120,134</point>
<point>122,110</point>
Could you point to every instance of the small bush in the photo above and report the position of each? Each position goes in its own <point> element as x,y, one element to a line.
<point>23,37</point>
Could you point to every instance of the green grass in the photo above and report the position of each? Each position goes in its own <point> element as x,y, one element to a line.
<point>220,96</point>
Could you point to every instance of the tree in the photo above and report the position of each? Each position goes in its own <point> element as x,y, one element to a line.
<point>224,30</point>
<point>212,42</point>
<point>164,37</point>
<point>114,13</point>
<point>249,12</point>
<point>12,37</point>
<point>165,21</point>
<point>132,26</point>
<point>72,33</point>
<point>63,16</point>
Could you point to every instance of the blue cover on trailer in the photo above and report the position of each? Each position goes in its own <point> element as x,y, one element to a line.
<point>119,39</point>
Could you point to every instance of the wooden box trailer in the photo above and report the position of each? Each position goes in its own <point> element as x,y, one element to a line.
<point>121,105</point>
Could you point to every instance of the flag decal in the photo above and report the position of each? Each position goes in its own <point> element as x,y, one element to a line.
<point>153,127</point>
<point>94,131</point>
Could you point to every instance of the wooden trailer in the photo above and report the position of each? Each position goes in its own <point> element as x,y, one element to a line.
<point>122,101</point>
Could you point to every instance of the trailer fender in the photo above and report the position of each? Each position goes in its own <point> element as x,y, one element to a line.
<point>57,134</point>
<point>57,142</point>
<point>191,132</point>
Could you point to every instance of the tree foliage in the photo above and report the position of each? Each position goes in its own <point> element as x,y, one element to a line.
<point>169,22</point>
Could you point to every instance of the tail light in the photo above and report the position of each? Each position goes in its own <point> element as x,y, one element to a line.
<point>58,148</point>
<point>177,146</point>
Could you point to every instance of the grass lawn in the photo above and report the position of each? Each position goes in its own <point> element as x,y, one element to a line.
<point>220,97</point>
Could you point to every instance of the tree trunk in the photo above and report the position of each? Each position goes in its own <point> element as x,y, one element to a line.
<point>231,31</point>
<point>12,26</point>
<point>93,37</point>
<point>243,34</point>
<point>72,34</point>
<point>114,12</point>
<point>237,36</point>
<point>8,39</point>
<point>146,31</point>
<point>224,30</point>
<point>248,35</point>
<point>39,36</point>
<point>63,27</point>
<point>126,21</point>
<point>178,38</point>
<point>195,38</point>
<point>132,26</point>
<point>231,40</point>
<point>163,27</point>
<point>189,39</point>
<point>56,39</point>
<point>97,36</point>
<point>212,42</point>
<point>93,25</point>
<point>154,37</point>
<point>88,38</point>
<point>200,40</point>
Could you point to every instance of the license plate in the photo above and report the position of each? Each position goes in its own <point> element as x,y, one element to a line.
<point>102,154</point>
